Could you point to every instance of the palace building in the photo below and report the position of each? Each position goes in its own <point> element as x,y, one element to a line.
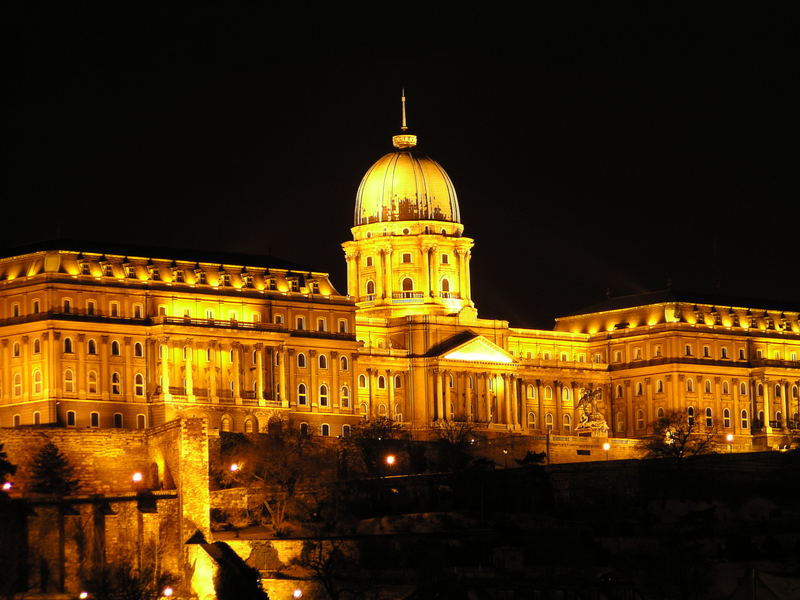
<point>121,337</point>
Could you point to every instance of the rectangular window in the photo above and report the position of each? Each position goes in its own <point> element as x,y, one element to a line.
<point>342,325</point>
<point>322,325</point>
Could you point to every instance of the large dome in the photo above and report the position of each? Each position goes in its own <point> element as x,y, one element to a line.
<point>406,186</point>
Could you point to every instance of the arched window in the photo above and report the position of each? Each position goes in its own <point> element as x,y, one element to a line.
<point>16,350</point>
<point>620,423</point>
<point>548,393</point>
<point>362,381</point>
<point>138,349</point>
<point>531,392</point>
<point>407,285</point>
<point>690,385</point>
<point>302,394</point>
<point>345,431</point>
<point>37,382</point>
<point>248,425</point>
<point>532,420</point>
<point>548,421</point>
<point>115,348</point>
<point>567,422</point>
<point>726,388</point>
<point>301,360</point>
<point>118,420</point>
<point>92,379</point>
<point>323,395</point>
<point>323,361</point>
<point>639,389</point>
<point>726,417</point>
<point>707,386</point>
<point>225,423</point>
<point>565,394</point>
<point>71,418</point>
<point>381,410</point>
<point>687,350</point>
<point>709,417</point>
<point>94,419</point>
<point>67,346</point>
<point>344,397</point>
<point>381,382</point>
<point>779,418</point>
<point>17,420</point>
<point>620,393</point>
<point>344,363</point>
<point>760,389</point>
<point>370,288</point>
<point>363,408</point>
<point>795,392</point>
<point>138,384</point>
<point>17,384</point>
<point>69,381</point>
<point>742,389</point>
<point>37,346</point>
<point>690,415</point>
<point>470,382</point>
<point>745,418</point>
<point>91,347</point>
<point>37,418</point>
<point>445,285</point>
<point>660,413</point>
<point>777,390</point>
<point>640,419</point>
<point>398,382</point>
<point>116,386</point>
<point>325,430</point>
<point>659,386</point>
<point>141,421</point>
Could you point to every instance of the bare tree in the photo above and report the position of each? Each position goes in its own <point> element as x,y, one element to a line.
<point>677,435</point>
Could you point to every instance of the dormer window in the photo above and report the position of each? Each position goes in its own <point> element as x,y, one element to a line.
<point>315,287</point>
<point>247,281</point>
<point>294,285</point>
<point>108,270</point>
<point>85,268</point>
<point>225,279</point>
<point>155,275</point>
<point>130,272</point>
<point>272,284</point>
<point>201,277</point>
<point>179,275</point>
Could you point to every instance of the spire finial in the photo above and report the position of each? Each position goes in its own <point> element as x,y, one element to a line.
<point>403,127</point>
<point>404,139</point>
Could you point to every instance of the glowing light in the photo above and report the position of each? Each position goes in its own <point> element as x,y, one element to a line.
<point>235,467</point>
<point>298,593</point>
<point>606,446</point>
<point>168,591</point>
<point>83,595</point>
<point>7,486</point>
<point>137,477</point>
<point>729,437</point>
<point>390,460</point>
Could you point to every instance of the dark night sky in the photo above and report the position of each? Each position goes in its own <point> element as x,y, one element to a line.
<point>588,153</point>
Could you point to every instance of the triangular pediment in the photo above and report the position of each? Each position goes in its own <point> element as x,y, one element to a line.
<point>478,349</point>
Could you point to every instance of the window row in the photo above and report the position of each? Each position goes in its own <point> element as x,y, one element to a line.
<point>547,393</point>
<point>69,383</point>
<point>117,420</point>
<point>406,258</point>
<point>381,382</point>
<point>322,361</point>
<point>323,395</point>
<point>407,285</point>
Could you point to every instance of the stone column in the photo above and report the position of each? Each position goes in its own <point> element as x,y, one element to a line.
<point>6,371</point>
<point>717,400</point>
<point>284,391</point>
<point>426,264</point>
<point>104,374</point>
<point>380,291</point>
<point>163,352</point>
<point>435,272</point>
<point>289,367</point>
<point>390,384</point>
<point>540,406</point>
<point>128,372</point>
<point>213,385</point>
<point>767,406</point>
<point>469,393</point>
<point>27,389</point>
<point>388,272</point>
<point>189,369</point>
<point>236,349</point>
<point>515,417</point>
<point>508,416</point>
<point>81,374</point>
<point>737,417</point>
<point>430,377</point>
<point>352,290</point>
<point>785,403</point>
<point>467,283</point>
<point>649,402</point>
<point>313,393</point>
<point>440,400</point>
<point>259,350</point>
<point>489,404</point>
<point>559,424</point>
<point>333,394</point>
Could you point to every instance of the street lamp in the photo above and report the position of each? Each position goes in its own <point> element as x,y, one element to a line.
<point>83,595</point>
<point>167,592</point>
<point>606,447</point>
<point>234,467</point>
<point>390,459</point>
<point>7,486</point>
<point>297,594</point>
<point>729,438</point>
<point>505,458</point>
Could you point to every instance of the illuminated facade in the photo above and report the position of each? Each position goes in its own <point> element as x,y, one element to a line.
<point>100,337</point>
